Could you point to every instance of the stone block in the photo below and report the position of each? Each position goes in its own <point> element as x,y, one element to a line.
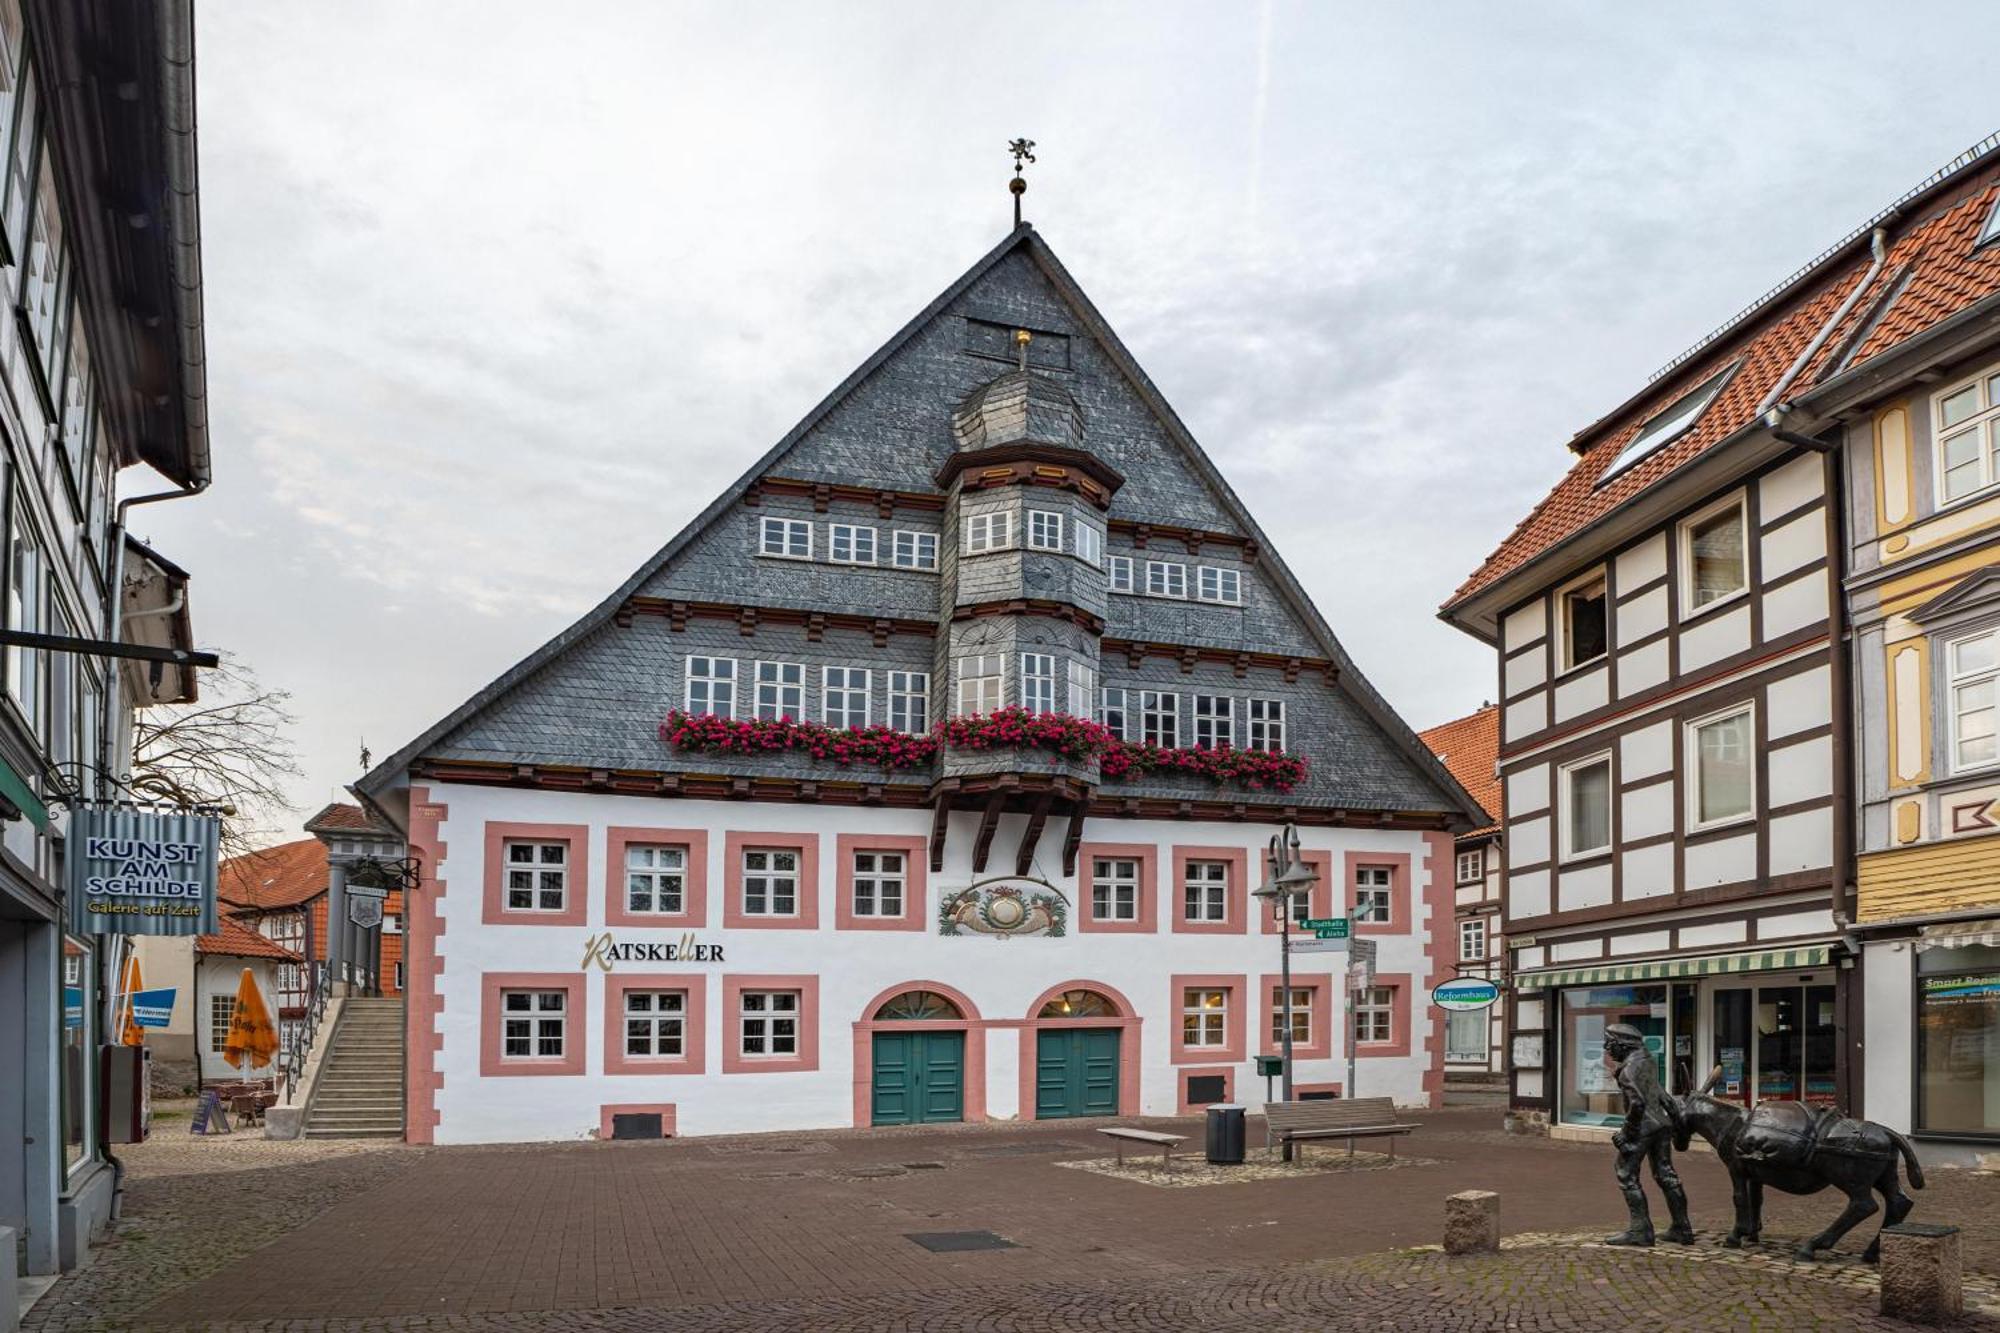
<point>1472,1222</point>
<point>284,1122</point>
<point>1922,1273</point>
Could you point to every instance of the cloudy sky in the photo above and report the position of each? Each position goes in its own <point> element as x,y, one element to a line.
<point>500,294</point>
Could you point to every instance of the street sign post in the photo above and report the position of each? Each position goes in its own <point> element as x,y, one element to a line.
<point>1319,946</point>
<point>1327,927</point>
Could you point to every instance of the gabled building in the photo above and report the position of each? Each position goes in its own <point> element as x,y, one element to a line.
<point>926,775</point>
<point>1475,1040</point>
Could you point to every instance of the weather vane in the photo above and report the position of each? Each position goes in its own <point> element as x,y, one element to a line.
<point>1023,151</point>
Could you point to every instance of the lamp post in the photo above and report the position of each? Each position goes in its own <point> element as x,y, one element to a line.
<point>1286,875</point>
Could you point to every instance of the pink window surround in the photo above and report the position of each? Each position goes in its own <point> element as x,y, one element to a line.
<point>1320,898</point>
<point>1232,1022</point>
<point>973,1094</point>
<point>422,928</point>
<point>1236,899</point>
<point>734,845</point>
<point>1399,891</point>
<point>915,892</point>
<point>734,1061</point>
<point>1148,858</point>
<point>1126,1021</point>
<point>576,1023</point>
<point>1325,998</point>
<point>693,1058</point>
<point>576,874</point>
<point>1189,1073</point>
<point>694,881</point>
<point>667,1111</point>
<point>1399,1017</point>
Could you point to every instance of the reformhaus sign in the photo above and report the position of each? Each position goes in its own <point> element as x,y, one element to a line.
<point>142,872</point>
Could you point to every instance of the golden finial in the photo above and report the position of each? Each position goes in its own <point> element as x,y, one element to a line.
<point>1021,340</point>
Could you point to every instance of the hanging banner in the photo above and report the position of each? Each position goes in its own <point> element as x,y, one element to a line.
<point>142,872</point>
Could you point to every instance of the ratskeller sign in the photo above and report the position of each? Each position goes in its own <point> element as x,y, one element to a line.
<point>142,872</point>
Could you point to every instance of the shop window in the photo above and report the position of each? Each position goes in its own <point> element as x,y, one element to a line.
<point>1958,1040</point>
<point>1589,1091</point>
<point>1465,1035</point>
<point>79,1046</point>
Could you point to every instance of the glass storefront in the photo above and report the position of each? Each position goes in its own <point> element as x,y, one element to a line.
<point>1958,1040</point>
<point>78,1043</point>
<point>1589,1092</point>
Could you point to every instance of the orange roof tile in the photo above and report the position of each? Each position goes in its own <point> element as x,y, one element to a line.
<point>281,876</point>
<point>1931,252</point>
<point>238,941</point>
<point>1470,748</point>
<point>340,816</point>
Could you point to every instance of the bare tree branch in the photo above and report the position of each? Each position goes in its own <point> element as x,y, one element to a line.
<point>233,749</point>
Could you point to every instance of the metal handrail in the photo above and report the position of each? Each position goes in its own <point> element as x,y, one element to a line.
<point>299,1043</point>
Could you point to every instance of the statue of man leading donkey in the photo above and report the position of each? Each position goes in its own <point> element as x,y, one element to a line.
<point>1786,1145</point>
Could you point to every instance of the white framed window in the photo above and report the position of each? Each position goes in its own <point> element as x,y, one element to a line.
<point>989,531</point>
<point>1580,621</point>
<point>844,696</point>
<point>1166,578</point>
<point>1114,888</point>
<point>1090,544</point>
<point>1714,556</point>
<point>1264,724</point>
<point>980,681</point>
<point>656,1023</point>
<point>879,881</point>
<point>397,982</point>
<point>1375,1014</point>
<point>850,544</point>
<point>221,1011</point>
<point>711,686</point>
<point>1205,891</point>
<point>1373,893</point>
<point>1038,682</point>
<point>769,1022</point>
<point>781,691</point>
<point>1965,422</point>
<point>655,878</point>
<point>1472,940</point>
<point>1116,713</point>
<point>1721,751</point>
<point>1670,422</point>
<point>1302,1015</point>
<point>786,538</point>
<point>910,701</point>
<point>1584,790</point>
<point>1471,865</point>
<point>1082,688</point>
<point>1214,583</point>
<point>1204,1016</point>
<point>1045,530</point>
<point>916,550</point>
<point>1214,721</point>
<point>770,882</point>
<point>533,1024</point>
<point>1119,569</point>
<point>1160,718</point>
<point>537,875</point>
<point>1972,667</point>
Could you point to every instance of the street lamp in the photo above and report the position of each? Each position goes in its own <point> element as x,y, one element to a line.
<point>1286,875</point>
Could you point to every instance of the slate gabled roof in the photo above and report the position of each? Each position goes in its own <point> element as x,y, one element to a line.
<point>1402,742</point>
<point>1933,269</point>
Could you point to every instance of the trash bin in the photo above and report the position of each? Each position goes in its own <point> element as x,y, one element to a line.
<point>1225,1134</point>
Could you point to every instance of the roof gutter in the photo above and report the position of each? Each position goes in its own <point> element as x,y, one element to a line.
<point>183,210</point>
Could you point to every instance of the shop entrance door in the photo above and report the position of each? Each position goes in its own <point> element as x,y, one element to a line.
<point>1775,1044</point>
<point>1076,1073</point>
<point>919,1078</point>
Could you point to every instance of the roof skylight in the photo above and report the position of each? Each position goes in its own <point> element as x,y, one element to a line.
<point>1991,231</point>
<point>1670,422</point>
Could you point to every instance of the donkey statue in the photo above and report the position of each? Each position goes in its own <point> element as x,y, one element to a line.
<point>1800,1150</point>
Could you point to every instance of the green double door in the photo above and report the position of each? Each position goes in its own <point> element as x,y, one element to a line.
<point>919,1078</point>
<point>1076,1073</point>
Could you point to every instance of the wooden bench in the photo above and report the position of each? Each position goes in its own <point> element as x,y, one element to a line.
<point>1335,1118</point>
<point>1166,1143</point>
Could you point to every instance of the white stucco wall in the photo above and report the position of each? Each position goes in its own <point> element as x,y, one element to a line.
<point>1888,997</point>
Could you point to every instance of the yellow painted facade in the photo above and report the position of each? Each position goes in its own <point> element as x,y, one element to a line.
<point>1930,880</point>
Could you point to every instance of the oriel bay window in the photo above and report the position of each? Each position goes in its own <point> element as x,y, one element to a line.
<point>537,875</point>
<point>1722,788</point>
<point>879,879</point>
<point>1585,791</point>
<point>769,1023</point>
<point>533,1024</point>
<point>655,1023</point>
<point>979,683</point>
<point>655,879</point>
<point>770,882</point>
<point>1972,667</point>
<point>1204,1017</point>
<point>990,531</point>
<point>1045,530</point>
<point>1038,682</point>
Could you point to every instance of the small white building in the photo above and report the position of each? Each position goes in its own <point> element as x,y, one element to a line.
<point>218,974</point>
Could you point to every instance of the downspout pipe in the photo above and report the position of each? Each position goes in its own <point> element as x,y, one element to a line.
<point>1878,248</point>
<point>114,618</point>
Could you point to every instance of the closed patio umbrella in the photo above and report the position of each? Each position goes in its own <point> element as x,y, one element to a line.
<point>129,1031</point>
<point>251,1040</point>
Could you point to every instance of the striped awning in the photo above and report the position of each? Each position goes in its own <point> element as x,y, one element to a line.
<point>1675,969</point>
<point>1960,935</point>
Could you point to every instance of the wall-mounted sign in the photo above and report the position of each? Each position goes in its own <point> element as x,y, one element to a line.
<point>142,872</point>
<point>606,952</point>
<point>153,1008</point>
<point>72,1006</point>
<point>1005,907</point>
<point>364,910</point>
<point>1463,993</point>
<point>1317,945</point>
<point>1527,1053</point>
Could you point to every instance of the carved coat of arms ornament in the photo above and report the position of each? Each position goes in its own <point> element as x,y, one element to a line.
<point>1005,908</point>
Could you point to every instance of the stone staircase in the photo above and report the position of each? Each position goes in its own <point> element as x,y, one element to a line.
<point>359,1094</point>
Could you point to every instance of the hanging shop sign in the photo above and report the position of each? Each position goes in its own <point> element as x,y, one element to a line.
<point>142,872</point>
<point>1464,993</point>
<point>364,909</point>
<point>1004,907</point>
<point>153,1008</point>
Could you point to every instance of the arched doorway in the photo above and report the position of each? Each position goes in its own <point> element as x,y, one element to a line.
<point>1084,1053</point>
<point>916,1056</point>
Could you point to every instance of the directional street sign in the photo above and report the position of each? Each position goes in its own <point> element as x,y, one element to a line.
<point>1327,927</point>
<point>1319,946</point>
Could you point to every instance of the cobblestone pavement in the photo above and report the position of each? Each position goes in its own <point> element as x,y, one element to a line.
<point>812,1232</point>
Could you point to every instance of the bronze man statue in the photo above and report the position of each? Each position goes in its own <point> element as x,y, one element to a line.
<point>1647,1136</point>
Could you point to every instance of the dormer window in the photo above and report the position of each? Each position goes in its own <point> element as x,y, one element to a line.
<point>1670,422</point>
<point>1580,626</point>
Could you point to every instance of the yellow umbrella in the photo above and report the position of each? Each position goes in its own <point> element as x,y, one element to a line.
<point>130,1033</point>
<point>251,1037</point>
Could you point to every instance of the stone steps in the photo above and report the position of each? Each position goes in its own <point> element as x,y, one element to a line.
<point>360,1091</point>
